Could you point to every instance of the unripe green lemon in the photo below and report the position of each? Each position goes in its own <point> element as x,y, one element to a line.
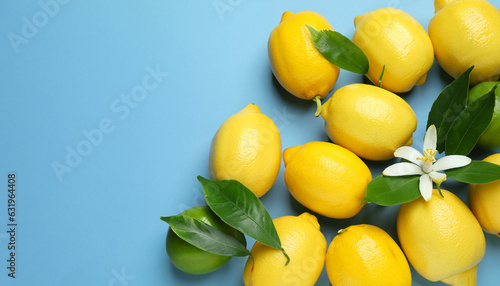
<point>490,139</point>
<point>190,258</point>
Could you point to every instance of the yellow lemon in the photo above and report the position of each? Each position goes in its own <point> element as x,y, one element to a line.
<point>466,33</point>
<point>326,178</point>
<point>247,148</point>
<point>390,37</point>
<point>370,121</point>
<point>304,243</point>
<point>441,238</point>
<point>366,255</point>
<point>295,61</point>
<point>484,201</point>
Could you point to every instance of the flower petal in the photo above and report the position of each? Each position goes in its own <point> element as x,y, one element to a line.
<point>403,169</point>
<point>450,162</point>
<point>425,186</point>
<point>409,153</point>
<point>426,166</point>
<point>438,178</point>
<point>430,138</point>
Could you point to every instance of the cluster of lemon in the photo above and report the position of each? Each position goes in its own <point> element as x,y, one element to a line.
<point>441,238</point>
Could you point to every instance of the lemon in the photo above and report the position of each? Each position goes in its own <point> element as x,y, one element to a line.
<point>392,38</point>
<point>247,148</point>
<point>303,241</point>
<point>466,33</point>
<point>484,200</point>
<point>441,238</point>
<point>370,121</point>
<point>366,255</point>
<point>326,178</point>
<point>296,63</point>
<point>490,138</point>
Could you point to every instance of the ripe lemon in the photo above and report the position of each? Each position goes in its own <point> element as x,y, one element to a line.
<point>366,255</point>
<point>303,241</point>
<point>247,148</point>
<point>490,139</point>
<point>370,121</point>
<point>391,37</point>
<point>326,178</point>
<point>484,201</point>
<point>191,259</point>
<point>441,238</point>
<point>466,33</point>
<point>295,61</point>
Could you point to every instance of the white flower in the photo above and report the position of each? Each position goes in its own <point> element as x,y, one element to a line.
<point>424,164</point>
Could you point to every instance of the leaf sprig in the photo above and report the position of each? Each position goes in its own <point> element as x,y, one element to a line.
<point>459,127</point>
<point>340,50</point>
<point>238,207</point>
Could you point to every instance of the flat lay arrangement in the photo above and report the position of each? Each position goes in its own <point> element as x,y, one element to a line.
<point>250,143</point>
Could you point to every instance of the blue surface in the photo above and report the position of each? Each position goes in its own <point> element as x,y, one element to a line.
<point>139,88</point>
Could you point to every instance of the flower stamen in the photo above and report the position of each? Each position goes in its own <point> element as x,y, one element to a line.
<point>428,156</point>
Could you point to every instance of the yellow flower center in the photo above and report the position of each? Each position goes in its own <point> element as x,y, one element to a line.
<point>428,159</point>
<point>428,156</point>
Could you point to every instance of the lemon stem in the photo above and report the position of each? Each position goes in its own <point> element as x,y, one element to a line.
<point>366,75</point>
<point>342,230</point>
<point>286,255</point>
<point>317,99</point>
<point>439,189</point>
<point>379,79</point>
<point>381,76</point>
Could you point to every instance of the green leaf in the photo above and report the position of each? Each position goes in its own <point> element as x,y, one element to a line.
<point>240,208</point>
<point>388,191</point>
<point>477,172</point>
<point>446,108</point>
<point>470,124</point>
<point>205,236</point>
<point>339,50</point>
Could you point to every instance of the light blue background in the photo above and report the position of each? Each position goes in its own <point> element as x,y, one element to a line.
<point>99,224</point>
